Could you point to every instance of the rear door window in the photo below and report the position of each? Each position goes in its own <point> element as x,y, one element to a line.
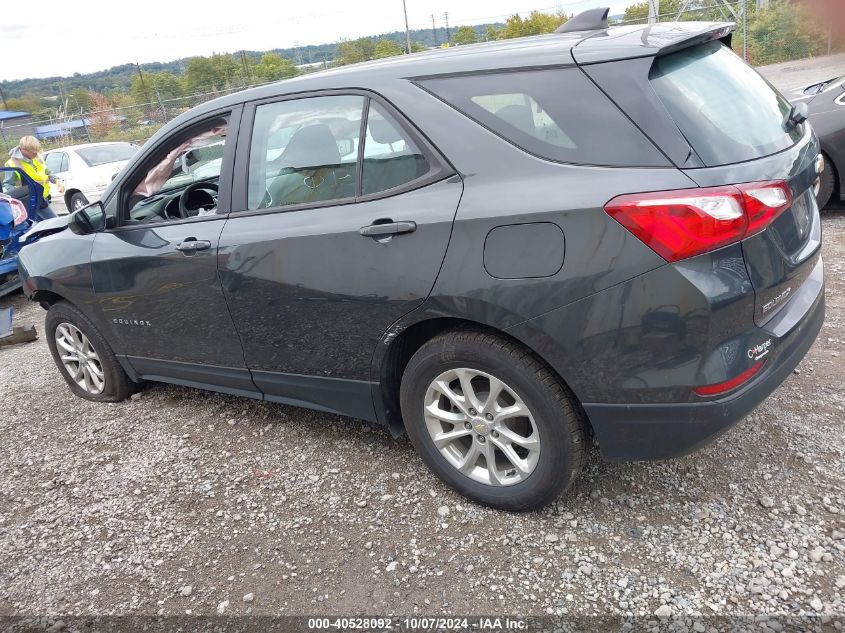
<point>727,112</point>
<point>391,158</point>
<point>557,114</point>
<point>305,151</point>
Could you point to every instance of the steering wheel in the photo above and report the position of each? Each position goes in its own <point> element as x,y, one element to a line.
<point>183,208</point>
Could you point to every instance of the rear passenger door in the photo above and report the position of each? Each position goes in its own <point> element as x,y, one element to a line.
<point>341,216</point>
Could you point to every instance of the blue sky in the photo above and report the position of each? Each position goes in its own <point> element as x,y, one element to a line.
<point>156,30</point>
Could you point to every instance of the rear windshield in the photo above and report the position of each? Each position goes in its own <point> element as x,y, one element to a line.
<point>727,112</point>
<point>103,154</point>
<point>556,114</point>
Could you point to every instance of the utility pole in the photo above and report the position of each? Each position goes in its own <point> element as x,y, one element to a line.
<point>161,105</point>
<point>3,95</point>
<point>434,29</point>
<point>141,75</point>
<point>448,33</point>
<point>653,11</point>
<point>744,5</point>
<point>407,32</point>
<point>247,78</point>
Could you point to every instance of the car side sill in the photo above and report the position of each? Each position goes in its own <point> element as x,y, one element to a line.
<point>353,398</point>
<point>231,380</point>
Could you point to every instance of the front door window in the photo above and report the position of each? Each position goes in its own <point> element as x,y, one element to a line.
<point>182,180</point>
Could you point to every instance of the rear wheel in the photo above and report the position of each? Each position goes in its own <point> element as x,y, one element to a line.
<point>85,360</point>
<point>492,421</point>
<point>827,184</point>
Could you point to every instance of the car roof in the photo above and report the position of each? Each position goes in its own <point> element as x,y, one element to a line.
<point>84,145</point>
<point>555,49</point>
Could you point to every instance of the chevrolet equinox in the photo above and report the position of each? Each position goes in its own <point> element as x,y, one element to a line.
<point>505,250</point>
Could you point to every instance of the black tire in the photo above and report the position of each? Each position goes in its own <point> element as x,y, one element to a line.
<point>563,431</point>
<point>117,385</point>
<point>827,185</point>
<point>76,201</point>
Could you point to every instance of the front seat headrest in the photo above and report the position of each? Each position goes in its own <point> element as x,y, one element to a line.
<point>311,146</point>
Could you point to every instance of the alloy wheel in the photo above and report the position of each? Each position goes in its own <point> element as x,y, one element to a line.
<point>482,427</point>
<point>80,359</point>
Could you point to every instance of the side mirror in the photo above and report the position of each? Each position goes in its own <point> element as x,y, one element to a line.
<point>87,220</point>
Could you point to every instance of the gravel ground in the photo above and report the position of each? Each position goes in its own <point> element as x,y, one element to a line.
<point>180,501</point>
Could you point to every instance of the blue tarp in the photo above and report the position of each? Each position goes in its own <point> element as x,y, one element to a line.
<point>60,129</point>
<point>9,114</point>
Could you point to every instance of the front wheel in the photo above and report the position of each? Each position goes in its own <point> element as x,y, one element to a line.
<point>77,202</point>
<point>492,421</point>
<point>85,360</point>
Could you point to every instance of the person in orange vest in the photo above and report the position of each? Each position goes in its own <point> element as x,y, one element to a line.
<point>26,156</point>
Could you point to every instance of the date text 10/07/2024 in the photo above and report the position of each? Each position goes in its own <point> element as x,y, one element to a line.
<point>419,624</point>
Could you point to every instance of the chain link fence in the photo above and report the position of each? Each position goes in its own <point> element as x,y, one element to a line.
<point>135,123</point>
<point>767,31</point>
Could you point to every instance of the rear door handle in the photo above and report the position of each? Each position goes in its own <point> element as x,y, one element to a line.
<point>191,245</point>
<point>388,228</point>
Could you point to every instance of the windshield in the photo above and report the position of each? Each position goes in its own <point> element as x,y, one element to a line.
<point>727,112</point>
<point>104,154</point>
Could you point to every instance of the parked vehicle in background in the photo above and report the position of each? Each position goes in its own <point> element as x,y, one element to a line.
<point>503,250</point>
<point>84,171</point>
<point>826,105</point>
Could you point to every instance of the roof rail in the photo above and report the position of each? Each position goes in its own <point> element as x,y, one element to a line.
<point>589,20</point>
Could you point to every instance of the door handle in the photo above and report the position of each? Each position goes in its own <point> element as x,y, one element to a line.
<point>388,227</point>
<point>191,245</point>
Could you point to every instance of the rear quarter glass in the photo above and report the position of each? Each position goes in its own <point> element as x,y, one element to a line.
<point>557,114</point>
<point>725,109</point>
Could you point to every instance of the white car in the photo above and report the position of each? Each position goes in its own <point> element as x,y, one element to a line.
<point>84,171</point>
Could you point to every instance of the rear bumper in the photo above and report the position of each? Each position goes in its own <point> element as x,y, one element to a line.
<point>663,431</point>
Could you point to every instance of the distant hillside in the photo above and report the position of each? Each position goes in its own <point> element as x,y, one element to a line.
<point>119,78</point>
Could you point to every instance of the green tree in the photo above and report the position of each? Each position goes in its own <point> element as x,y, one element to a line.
<point>536,23</point>
<point>387,48</point>
<point>464,35</point>
<point>168,85</point>
<point>27,103</point>
<point>80,99</point>
<point>781,32</point>
<point>211,73</point>
<point>274,67</point>
<point>354,51</point>
<point>491,33</point>
<point>142,89</point>
<point>418,47</point>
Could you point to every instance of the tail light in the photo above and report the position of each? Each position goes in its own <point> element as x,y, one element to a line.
<point>18,211</point>
<point>687,222</point>
<point>729,385</point>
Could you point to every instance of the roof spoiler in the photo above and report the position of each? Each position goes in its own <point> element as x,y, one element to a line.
<point>589,20</point>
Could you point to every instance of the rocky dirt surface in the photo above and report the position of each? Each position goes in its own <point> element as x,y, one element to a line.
<point>180,501</point>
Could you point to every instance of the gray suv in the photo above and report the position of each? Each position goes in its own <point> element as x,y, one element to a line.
<point>505,250</point>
